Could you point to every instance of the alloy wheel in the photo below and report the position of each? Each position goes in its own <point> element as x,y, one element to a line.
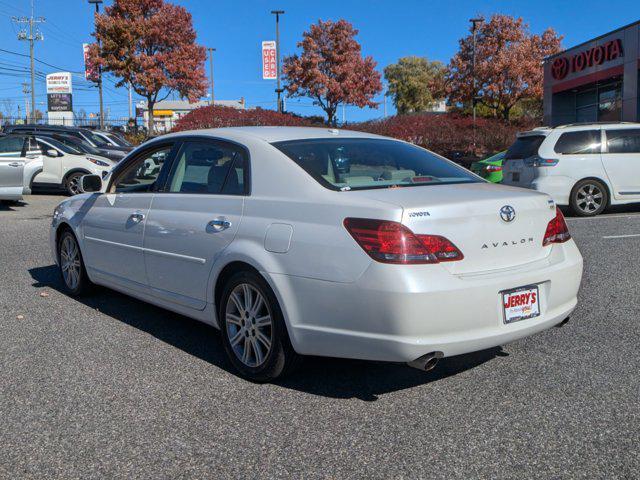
<point>74,184</point>
<point>249,325</point>
<point>70,262</point>
<point>589,198</point>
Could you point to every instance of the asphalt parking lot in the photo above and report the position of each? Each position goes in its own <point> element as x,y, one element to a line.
<point>111,387</point>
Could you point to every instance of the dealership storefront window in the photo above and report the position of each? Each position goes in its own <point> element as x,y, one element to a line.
<point>599,103</point>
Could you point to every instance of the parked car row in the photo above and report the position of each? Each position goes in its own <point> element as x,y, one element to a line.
<point>51,158</point>
<point>108,144</point>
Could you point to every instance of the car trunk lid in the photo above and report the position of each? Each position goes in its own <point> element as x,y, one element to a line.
<point>475,217</point>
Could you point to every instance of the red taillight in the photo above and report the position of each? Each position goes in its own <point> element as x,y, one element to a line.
<point>493,168</point>
<point>557,230</point>
<point>392,242</point>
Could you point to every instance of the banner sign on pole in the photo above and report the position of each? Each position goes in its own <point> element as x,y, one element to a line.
<point>269,66</point>
<point>90,71</point>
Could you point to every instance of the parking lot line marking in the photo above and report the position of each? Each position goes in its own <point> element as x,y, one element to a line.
<point>622,236</point>
<point>603,217</point>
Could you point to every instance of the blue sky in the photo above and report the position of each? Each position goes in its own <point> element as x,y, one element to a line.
<point>388,30</point>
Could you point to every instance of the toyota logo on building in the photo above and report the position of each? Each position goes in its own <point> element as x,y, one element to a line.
<point>507,213</point>
<point>560,68</point>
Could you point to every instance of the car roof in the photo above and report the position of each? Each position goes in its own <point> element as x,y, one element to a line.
<point>576,127</point>
<point>274,134</point>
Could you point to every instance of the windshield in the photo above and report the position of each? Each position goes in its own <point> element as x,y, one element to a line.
<point>79,144</point>
<point>97,140</point>
<point>119,141</point>
<point>365,163</point>
<point>524,147</point>
<point>60,146</point>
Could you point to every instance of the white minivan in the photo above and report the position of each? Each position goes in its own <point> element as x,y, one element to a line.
<point>586,166</point>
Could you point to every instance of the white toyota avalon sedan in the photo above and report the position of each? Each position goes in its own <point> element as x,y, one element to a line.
<point>304,241</point>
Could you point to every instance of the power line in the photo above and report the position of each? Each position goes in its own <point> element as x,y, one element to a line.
<point>30,34</point>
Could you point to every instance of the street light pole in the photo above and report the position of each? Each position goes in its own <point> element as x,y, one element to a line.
<point>97,4</point>
<point>211,50</point>
<point>474,27</point>
<point>279,90</point>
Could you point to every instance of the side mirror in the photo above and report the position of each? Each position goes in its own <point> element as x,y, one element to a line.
<point>90,183</point>
<point>52,153</point>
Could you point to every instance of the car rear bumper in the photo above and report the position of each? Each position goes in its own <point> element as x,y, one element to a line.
<point>399,313</point>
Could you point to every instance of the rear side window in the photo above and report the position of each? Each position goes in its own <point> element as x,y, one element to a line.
<point>623,141</point>
<point>11,146</point>
<point>207,167</point>
<point>524,147</point>
<point>576,143</point>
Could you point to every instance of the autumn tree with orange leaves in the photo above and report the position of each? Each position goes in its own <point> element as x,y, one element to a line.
<point>508,65</point>
<point>150,44</point>
<point>331,70</point>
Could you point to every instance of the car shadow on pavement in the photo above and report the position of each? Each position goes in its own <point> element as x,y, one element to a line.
<point>327,377</point>
<point>9,206</point>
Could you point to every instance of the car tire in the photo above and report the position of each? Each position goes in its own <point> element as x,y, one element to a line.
<point>254,334</point>
<point>71,265</point>
<point>72,183</point>
<point>589,198</point>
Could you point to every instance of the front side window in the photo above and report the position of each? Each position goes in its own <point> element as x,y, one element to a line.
<point>142,173</point>
<point>11,145</point>
<point>208,167</point>
<point>577,143</point>
<point>365,163</point>
<point>623,141</point>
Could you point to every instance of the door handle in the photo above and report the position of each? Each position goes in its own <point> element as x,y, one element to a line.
<point>136,217</point>
<point>14,164</point>
<point>219,224</point>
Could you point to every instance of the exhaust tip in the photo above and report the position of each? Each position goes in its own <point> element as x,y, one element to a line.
<point>563,322</point>
<point>426,362</point>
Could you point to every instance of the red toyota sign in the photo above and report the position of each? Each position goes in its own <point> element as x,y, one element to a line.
<point>597,55</point>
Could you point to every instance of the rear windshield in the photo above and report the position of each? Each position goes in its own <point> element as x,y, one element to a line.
<point>365,163</point>
<point>524,147</point>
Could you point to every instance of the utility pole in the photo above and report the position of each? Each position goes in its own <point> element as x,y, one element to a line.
<point>384,96</point>
<point>474,27</point>
<point>279,90</point>
<point>30,34</point>
<point>130,101</point>
<point>97,4</point>
<point>211,50</point>
<point>25,90</point>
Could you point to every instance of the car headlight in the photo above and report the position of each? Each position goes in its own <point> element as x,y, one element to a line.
<point>57,213</point>
<point>100,163</point>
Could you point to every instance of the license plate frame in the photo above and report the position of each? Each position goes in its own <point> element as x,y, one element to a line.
<point>525,315</point>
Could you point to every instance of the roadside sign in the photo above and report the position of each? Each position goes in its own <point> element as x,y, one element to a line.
<point>59,82</point>
<point>269,66</point>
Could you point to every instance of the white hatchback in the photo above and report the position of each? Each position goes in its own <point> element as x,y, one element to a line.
<point>302,241</point>
<point>585,166</point>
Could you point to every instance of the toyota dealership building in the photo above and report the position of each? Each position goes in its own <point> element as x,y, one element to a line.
<point>596,81</point>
